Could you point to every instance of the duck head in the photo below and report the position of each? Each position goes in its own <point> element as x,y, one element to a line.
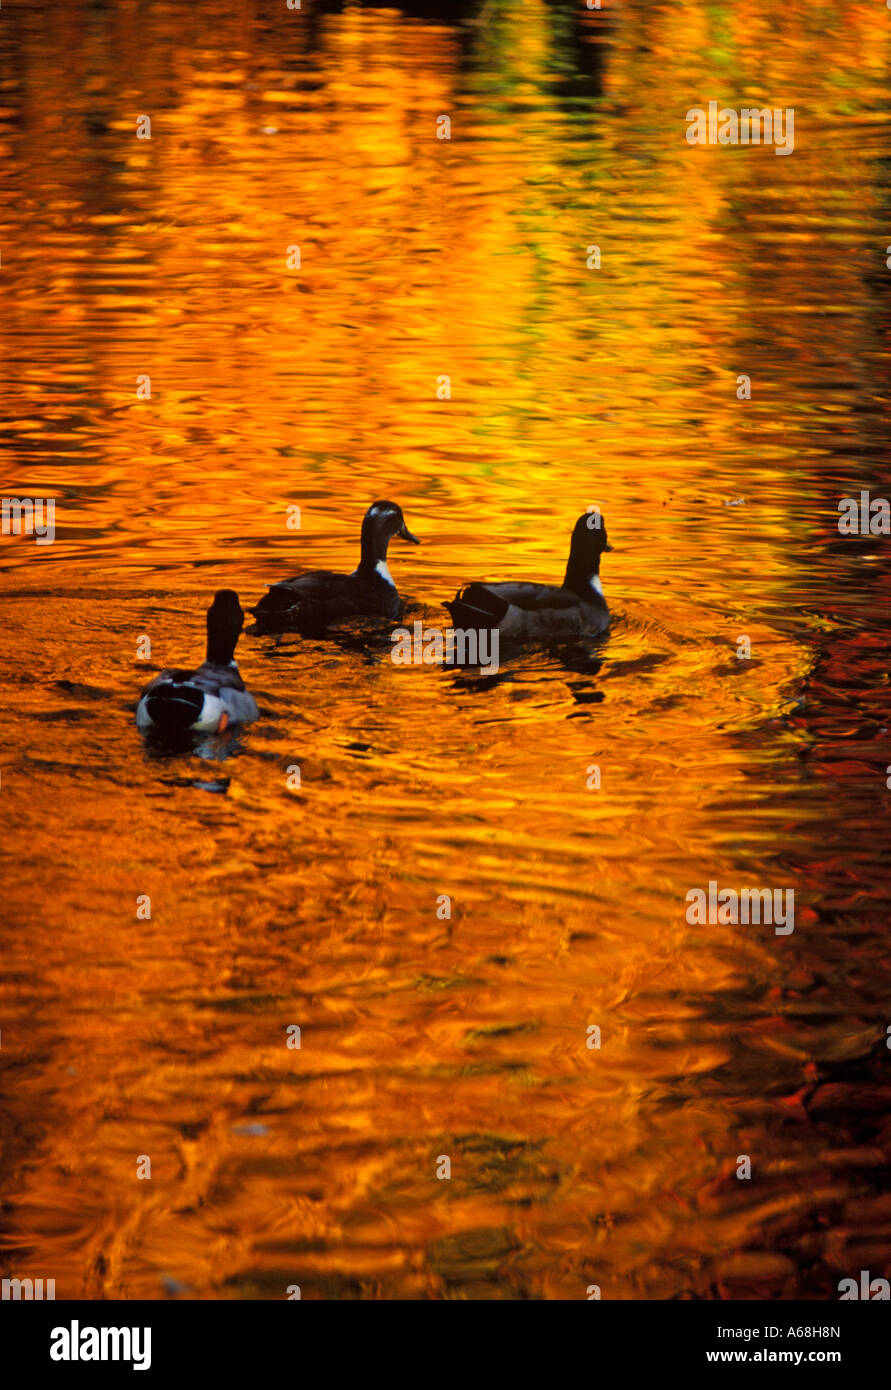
<point>225,619</point>
<point>588,544</point>
<point>381,523</point>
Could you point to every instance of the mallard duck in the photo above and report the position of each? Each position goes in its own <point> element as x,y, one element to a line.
<point>211,697</point>
<point>311,602</point>
<point>522,610</point>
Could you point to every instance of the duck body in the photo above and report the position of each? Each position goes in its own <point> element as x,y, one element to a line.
<point>312,602</point>
<point>524,611</point>
<point>315,600</point>
<point>204,700</point>
<point>210,697</point>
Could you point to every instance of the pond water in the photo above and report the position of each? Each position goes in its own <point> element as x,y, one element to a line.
<point>435,1029</point>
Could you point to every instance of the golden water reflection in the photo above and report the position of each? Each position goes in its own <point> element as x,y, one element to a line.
<point>424,1037</point>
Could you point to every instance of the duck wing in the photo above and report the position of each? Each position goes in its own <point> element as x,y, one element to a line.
<point>312,586</point>
<point>486,605</point>
<point>530,597</point>
<point>311,603</point>
<point>225,683</point>
<point>522,610</point>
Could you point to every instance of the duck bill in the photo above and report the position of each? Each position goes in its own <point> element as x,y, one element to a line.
<point>404,534</point>
<point>609,547</point>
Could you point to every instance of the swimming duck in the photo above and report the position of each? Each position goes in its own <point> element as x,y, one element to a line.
<point>521,610</point>
<point>311,602</point>
<point>210,698</point>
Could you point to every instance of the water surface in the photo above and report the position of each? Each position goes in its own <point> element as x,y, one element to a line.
<point>422,1035</point>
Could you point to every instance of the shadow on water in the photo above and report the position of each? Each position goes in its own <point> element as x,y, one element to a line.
<point>451,900</point>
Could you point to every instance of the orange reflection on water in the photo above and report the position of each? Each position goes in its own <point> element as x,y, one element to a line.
<point>425,1036</point>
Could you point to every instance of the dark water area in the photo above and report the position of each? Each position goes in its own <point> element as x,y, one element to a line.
<point>427,1036</point>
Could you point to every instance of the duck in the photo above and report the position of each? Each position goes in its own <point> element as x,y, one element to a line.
<point>521,610</point>
<point>211,697</point>
<point>311,602</point>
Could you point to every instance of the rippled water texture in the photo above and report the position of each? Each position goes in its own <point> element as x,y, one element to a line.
<point>426,1036</point>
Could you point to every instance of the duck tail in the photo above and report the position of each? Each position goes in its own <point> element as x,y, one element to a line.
<point>174,706</point>
<point>276,600</point>
<point>477,607</point>
<point>306,618</point>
